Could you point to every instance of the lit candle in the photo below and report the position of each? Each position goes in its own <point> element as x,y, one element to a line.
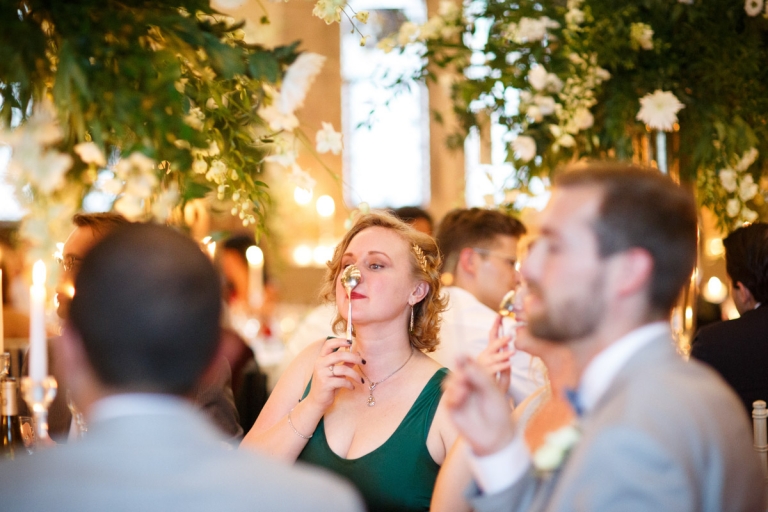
<point>38,349</point>
<point>255,258</point>
<point>2,327</point>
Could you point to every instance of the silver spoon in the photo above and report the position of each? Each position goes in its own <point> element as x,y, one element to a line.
<point>350,277</point>
<point>507,309</point>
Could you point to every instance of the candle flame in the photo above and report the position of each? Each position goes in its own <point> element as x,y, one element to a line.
<point>38,273</point>
<point>255,256</point>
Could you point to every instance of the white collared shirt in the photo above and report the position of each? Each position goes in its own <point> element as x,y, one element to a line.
<point>464,329</point>
<point>135,404</point>
<point>504,468</point>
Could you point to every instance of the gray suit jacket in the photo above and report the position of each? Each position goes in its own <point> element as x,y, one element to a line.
<point>166,462</point>
<point>667,435</point>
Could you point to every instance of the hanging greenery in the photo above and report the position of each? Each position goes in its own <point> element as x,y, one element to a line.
<point>594,78</point>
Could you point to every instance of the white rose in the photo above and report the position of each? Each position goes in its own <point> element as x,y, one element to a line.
<point>534,113</point>
<point>728,179</point>
<point>732,207</point>
<point>747,188</point>
<point>583,118</point>
<point>546,104</point>
<point>537,77</point>
<point>748,215</point>
<point>574,17</point>
<point>524,148</point>
<point>90,153</point>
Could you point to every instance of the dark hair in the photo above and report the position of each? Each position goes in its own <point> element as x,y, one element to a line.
<point>746,258</point>
<point>101,223</point>
<point>146,306</point>
<point>642,208</point>
<point>240,244</point>
<point>409,214</point>
<point>426,325</point>
<point>473,227</point>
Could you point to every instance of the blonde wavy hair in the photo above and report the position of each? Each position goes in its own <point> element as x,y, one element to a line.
<point>425,262</point>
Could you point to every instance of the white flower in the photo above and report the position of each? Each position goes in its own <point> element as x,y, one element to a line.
<point>562,138</point>
<point>537,77</point>
<point>199,166</point>
<point>556,446</point>
<point>130,207</point>
<point>753,7</point>
<point>747,159</point>
<point>546,104</point>
<point>748,215</point>
<point>732,207</point>
<point>583,118</point>
<point>747,188</point>
<point>301,178</point>
<point>574,17</point>
<point>329,10</point>
<point>285,159</point>
<point>408,32</point>
<point>165,203</point>
<point>328,139</point>
<point>386,45</point>
<point>195,118</point>
<point>141,185</point>
<point>46,172</point>
<point>641,36</point>
<point>277,120</point>
<point>529,30</point>
<point>431,29</point>
<point>534,113</point>
<point>554,84</point>
<point>211,104</point>
<point>362,17</point>
<point>217,173</point>
<point>574,4</point>
<point>90,153</point>
<point>728,179</point>
<point>297,80</point>
<point>524,148</point>
<point>659,110</point>
<point>448,10</point>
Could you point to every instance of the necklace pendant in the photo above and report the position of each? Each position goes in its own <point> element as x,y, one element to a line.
<point>371,401</point>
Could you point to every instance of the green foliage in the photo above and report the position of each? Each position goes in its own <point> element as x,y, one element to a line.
<point>128,74</point>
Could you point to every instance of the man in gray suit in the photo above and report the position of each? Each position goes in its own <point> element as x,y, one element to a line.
<point>653,431</point>
<point>142,329</point>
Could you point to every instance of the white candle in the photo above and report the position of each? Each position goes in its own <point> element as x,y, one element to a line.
<point>2,327</point>
<point>255,258</point>
<point>38,349</point>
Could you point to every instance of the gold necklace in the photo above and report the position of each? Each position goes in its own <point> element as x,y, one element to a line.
<point>372,385</point>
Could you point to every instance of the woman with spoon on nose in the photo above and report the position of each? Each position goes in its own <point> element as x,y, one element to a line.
<point>370,408</point>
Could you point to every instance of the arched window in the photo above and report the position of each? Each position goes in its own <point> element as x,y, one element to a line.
<point>386,158</point>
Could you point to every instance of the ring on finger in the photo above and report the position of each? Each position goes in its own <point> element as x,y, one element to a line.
<point>330,368</point>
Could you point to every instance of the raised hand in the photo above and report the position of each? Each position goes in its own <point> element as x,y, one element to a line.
<point>495,357</point>
<point>333,370</point>
<point>478,408</point>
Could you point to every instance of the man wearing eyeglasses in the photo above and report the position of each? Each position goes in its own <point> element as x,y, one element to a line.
<point>479,249</point>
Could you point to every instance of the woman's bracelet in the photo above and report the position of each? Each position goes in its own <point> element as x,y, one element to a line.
<point>294,428</point>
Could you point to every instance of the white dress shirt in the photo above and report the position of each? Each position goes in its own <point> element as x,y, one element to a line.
<point>504,468</point>
<point>464,329</point>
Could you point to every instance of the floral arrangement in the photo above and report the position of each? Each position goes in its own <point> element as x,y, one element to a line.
<point>156,103</point>
<point>602,78</point>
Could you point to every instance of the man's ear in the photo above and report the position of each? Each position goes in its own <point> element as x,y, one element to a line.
<point>634,269</point>
<point>418,294</point>
<point>70,355</point>
<point>467,261</point>
<point>742,295</point>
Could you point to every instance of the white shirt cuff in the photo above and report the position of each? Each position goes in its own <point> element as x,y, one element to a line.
<point>496,472</point>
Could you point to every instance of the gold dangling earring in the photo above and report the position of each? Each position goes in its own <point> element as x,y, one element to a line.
<point>411,329</point>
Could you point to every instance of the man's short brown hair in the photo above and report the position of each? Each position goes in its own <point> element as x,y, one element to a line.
<point>101,223</point>
<point>473,227</point>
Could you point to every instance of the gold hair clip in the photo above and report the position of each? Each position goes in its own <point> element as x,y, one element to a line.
<point>421,258</point>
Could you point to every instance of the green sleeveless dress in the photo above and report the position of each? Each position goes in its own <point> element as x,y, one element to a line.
<point>400,474</point>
